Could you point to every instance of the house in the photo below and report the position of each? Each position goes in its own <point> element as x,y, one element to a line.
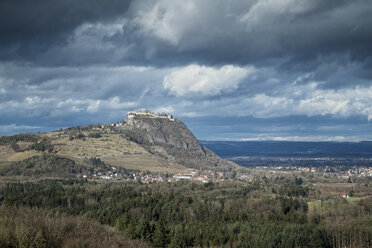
<point>243,177</point>
<point>183,176</point>
<point>344,195</point>
<point>106,177</point>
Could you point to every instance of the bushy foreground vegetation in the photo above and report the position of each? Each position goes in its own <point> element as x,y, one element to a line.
<point>229,214</point>
<point>26,227</point>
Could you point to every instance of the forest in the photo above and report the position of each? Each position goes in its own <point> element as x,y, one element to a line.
<point>285,211</point>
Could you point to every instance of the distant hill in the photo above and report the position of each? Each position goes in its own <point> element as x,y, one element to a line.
<point>290,149</point>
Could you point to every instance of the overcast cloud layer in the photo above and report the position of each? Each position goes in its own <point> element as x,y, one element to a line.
<point>238,70</point>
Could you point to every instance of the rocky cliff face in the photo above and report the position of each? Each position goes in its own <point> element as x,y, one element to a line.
<point>170,138</point>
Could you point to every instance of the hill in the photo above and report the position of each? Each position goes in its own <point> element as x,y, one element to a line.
<point>171,139</point>
<point>143,141</point>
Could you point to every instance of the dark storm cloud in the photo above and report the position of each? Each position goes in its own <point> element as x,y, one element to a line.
<point>266,62</point>
<point>293,34</point>
<point>28,28</point>
<point>222,33</point>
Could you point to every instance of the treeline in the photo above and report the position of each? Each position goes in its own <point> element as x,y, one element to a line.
<point>348,224</point>
<point>46,165</point>
<point>52,166</point>
<point>187,214</point>
<point>179,215</point>
<point>43,145</point>
<point>39,144</point>
<point>27,137</point>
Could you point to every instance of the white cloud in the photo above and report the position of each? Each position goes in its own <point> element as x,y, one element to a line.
<point>93,31</point>
<point>164,109</point>
<point>310,101</point>
<point>166,20</point>
<point>117,104</point>
<point>32,100</point>
<point>205,80</point>
<point>267,10</point>
<point>94,106</point>
<point>285,100</point>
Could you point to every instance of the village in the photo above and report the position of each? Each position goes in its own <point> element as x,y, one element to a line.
<point>121,174</point>
<point>205,176</point>
<point>339,171</point>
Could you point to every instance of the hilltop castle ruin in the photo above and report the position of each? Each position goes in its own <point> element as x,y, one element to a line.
<point>147,114</point>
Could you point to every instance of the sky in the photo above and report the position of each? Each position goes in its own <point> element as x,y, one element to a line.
<point>296,70</point>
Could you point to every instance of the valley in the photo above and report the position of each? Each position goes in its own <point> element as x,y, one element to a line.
<point>148,182</point>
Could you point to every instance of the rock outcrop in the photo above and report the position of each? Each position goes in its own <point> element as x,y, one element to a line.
<point>167,137</point>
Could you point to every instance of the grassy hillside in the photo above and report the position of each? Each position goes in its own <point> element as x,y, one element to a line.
<point>112,148</point>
